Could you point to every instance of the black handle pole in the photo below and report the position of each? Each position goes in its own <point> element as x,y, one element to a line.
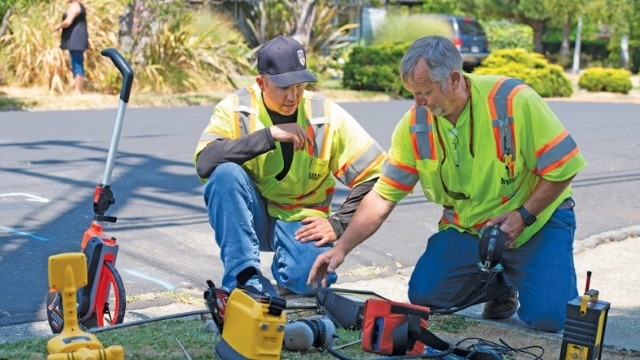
<point>124,68</point>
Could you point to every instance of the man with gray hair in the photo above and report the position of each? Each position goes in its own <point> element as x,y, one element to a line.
<point>491,152</point>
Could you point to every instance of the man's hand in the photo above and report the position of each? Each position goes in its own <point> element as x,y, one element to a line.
<point>316,229</point>
<point>325,263</point>
<point>290,132</point>
<point>511,225</point>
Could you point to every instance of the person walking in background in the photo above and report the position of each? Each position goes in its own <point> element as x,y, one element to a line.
<point>269,159</point>
<point>75,38</point>
<point>492,153</point>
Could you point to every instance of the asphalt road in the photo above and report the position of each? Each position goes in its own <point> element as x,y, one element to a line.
<point>51,161</point>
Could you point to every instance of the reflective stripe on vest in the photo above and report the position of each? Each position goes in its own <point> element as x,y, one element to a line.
<point>317,125</point>
<point>555,153</point>
<point>351,172</point>
<point>422,134</point>
<point>321,206</point>
<point>245,110</point>
<point>399,175</point>
<point>501,110</point>
<point>451,217</point>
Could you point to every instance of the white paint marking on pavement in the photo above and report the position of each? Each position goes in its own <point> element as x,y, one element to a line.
<point>166,285</point>
<point>23,233</point>
<point>29,197</point>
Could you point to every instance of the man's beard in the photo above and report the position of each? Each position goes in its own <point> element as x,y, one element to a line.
<point>437,111</point>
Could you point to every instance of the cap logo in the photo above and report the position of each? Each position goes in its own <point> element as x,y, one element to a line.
<point>301,57</point>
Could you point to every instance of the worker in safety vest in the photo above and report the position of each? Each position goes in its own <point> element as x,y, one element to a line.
<point>268,159</point>
<point>492,153</point>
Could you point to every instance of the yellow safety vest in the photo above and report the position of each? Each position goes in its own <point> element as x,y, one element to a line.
<point>340,147</point>
<point>500,173</point>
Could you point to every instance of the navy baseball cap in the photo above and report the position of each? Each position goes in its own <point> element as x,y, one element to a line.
<point>285,61</point>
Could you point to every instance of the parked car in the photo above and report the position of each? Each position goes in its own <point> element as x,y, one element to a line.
<point>469,37</point>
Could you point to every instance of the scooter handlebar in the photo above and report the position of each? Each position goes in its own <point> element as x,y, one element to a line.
<point>124,68</point>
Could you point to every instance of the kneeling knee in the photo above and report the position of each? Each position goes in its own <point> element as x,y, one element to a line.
<point>417,297</point>
<point>423,291</point>
<point>225,170</point>
<point>224,177</point>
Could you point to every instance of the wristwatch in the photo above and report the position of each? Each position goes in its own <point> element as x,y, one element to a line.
<point>527,217</point>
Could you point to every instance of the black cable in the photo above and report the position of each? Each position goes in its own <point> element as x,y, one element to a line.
<point>174,316</point>
<point>525,350</point>
<point>301,307</point>
<point>501,349</point>
<point>437,355</point>
<point>347,344</point>
<point>483,292</point>
<point>147,321</point>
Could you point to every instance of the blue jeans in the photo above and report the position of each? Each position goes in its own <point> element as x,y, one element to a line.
<point>541,270</point>
<point>77,62</point>
<point>243,228</point>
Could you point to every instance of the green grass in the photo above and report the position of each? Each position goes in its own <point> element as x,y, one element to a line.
<point>452,324</point>
<point>10,104</point>
<point>159,340</point>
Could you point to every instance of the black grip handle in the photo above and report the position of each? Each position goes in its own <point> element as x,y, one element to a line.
<point>125,69</point>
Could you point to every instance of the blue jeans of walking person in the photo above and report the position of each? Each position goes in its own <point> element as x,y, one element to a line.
<point>542,271</point>
<point>243,228</point>
<point>77,62</point>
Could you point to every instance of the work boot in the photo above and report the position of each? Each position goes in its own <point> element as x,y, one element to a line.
<point>501,308</point>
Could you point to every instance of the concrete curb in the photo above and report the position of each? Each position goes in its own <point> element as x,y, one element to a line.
<point>608,236</point>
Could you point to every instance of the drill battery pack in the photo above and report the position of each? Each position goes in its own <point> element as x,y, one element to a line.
<point>253,326</point>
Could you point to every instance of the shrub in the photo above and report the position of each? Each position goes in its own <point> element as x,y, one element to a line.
<point>30,49</point>
<point>605,79</point>
<point>182,52</point>
<point>405,28</point>
<point>187,53</point>
<point>506,35</point>
<point>375,68</point>
<point>547,79</point>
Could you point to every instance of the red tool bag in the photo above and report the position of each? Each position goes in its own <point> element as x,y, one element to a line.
<point>396,328</point>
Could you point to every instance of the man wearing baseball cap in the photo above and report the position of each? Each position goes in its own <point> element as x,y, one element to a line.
<point>269,159</point>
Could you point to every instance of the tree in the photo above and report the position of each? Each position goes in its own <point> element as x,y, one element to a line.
<point>306,16</point>
<point>312,22</point>
<point>565,13</point>
<point>294,18</point>
<point>534,13</point>
<point>261,20</point>
<point>444,7</point>
<point>623,19</point>
<point>5,21</point>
